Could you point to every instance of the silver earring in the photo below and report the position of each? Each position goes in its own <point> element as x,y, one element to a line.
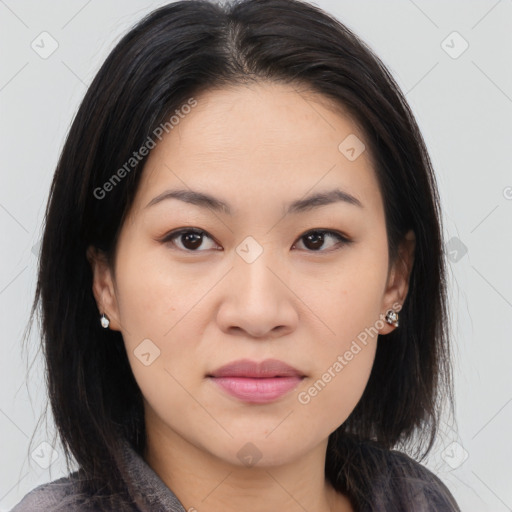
<point>105,322</point>
<point>392,317</point>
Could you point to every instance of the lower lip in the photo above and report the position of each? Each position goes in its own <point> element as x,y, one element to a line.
<point>257,390</point>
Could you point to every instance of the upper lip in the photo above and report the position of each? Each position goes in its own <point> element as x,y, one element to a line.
<point>252,369</point>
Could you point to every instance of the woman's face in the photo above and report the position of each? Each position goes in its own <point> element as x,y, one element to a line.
<point>198,286</point>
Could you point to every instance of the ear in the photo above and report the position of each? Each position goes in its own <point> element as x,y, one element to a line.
<point>103,286</point>
<point>398,279</point>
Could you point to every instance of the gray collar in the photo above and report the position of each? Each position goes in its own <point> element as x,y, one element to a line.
<point>144,486</point>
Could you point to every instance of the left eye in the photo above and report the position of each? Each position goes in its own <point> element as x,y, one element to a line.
<point>191,239</point>
<point>316,239</point>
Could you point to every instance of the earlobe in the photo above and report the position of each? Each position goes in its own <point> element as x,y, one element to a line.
<point>398,282</point>
<point>392,317</point>
<point>103,288</point>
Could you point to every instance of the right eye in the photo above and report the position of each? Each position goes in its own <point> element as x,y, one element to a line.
<point>187,239</point>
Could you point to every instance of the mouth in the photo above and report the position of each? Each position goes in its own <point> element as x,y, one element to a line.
<point>254,382</point>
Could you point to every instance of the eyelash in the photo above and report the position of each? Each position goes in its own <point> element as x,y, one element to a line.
<point>342,239</point>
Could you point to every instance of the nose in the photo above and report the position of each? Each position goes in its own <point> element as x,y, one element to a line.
<point>258,301</point>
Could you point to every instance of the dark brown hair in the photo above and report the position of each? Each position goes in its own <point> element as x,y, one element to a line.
<point>173,54</point>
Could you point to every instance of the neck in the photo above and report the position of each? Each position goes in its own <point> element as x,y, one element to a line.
<point>203,482</point>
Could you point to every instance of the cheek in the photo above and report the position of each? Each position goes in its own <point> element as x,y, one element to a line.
<point>153,294</point>
<point>334,389</point>
<point>349,300</point>
<point>156,303</point>
<point>349,306</point>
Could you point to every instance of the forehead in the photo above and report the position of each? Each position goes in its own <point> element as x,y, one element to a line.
<point>267,138</point>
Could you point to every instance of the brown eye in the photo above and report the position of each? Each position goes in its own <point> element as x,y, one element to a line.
<point>188,239</point>
<point>191,240</point>
<point>315,240</point>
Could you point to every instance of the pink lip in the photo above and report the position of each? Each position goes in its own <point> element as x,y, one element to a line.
<point>255,382</point>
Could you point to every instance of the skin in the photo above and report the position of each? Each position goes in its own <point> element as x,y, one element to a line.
<point>257,148</point>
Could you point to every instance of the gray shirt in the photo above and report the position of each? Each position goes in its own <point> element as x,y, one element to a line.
<point>147,491</point>
<point>416,489</point>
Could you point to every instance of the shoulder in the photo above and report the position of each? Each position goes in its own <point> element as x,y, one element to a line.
<point>48,497</point>
<point>414,485</point>
<point>62,495</point>
<point>379,478</point>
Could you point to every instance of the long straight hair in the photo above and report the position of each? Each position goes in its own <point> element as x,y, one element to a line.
<point>170,56</point>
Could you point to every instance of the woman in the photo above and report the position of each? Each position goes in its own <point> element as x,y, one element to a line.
<point>241,279</point>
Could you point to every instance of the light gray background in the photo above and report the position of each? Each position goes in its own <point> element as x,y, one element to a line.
<point>464,108</point>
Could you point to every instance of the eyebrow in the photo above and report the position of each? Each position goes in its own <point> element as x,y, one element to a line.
<point>204,200</point>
